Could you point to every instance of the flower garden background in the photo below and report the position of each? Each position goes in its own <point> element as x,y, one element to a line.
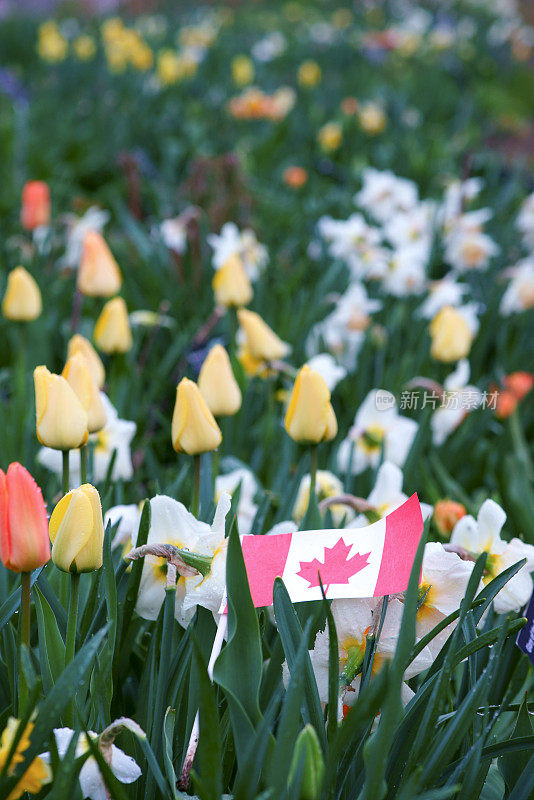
<point>265,268</point>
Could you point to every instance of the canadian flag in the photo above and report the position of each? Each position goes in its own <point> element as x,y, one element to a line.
<point>356,562</point>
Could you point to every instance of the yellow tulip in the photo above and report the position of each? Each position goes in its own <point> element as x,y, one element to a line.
<point>330,136</point>
<point>78,375</point>
<point>451,335</point>
<point>194,429</point>
<point>309,74</point>
<point>98,274</point>
<point>22,300</point>
<point>77,531</point>
<point>112,332</point>
<point>310,417</point>
<point>242,70</point>
<point>61,419</point>
<point>218,385</point>
<point>231,284</point>
<point>79,344</point>
<point>261,341</point>
<point>372,118</point>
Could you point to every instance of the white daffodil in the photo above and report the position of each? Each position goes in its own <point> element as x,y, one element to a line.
<point>457,194</point>
<point>406,273</point>
<point>94,219</point>
<point>525,220</point>
<point>387,495</point>
<point>174,234</point>
<point>356,243</point>
<point>115,436</point>
<point>354,620</point>
<point>327,367</point>
<point>519,294</point>
<point>172,523</point>
<point>384,194</point>
<point>413,227</point>
<point>469,249</point>
<point>342,332</point>
<point>458,401</point>
<point>377,426</point>
<point>124,767</point>
<point>246,508</point>
<point>445,292</point>
<point>127,517</point>
<point>483,535</point>
<point>444,579</point>
<point>231,241</point>
<point>327,485</point>
<point>269,47</point>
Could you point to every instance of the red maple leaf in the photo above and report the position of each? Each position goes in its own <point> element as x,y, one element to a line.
<point>337,567</point>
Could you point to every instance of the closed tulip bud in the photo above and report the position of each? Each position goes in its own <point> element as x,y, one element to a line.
<point>22,300</point>
<point>77,531</point>
<point>78,375</point>
<point>79,344</point>
<point>308,757</point>
<point>451,335</point>
<point>446,515</point>
<point>61,418</point>
<point>35,209</point>
<point>194,429</point>
<point>261,341</point>
<point>231,284</point>
<point>112,332</point>
<point>218,385</point>
<point>98,274</point>
<point>24,543</point>
<point>310,417</point>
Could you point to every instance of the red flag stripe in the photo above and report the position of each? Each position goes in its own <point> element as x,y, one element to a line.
<point>400,546</point>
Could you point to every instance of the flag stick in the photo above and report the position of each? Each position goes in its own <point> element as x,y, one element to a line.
<point>193,739</point>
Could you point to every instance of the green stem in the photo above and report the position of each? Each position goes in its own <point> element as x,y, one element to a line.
<point>24,635</point>
<point>70,647</point>
<point>519,444</point>
<point>196,485</point>
<point>163,682</point>
<point>83,463</point>
<point>313,473</point>
<point>65,481</point>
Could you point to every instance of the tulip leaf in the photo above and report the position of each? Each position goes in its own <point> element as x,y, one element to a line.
<point>209,777</point>
<point>51,644</point>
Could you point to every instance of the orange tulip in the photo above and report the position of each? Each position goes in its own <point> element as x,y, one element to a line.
<point>24,542</point>
<point>35,209</point>
<point>446,515</point>
<point>519,384</point>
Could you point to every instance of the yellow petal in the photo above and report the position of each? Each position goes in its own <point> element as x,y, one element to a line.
<point>22,301</point>
<point>78,375</point>
<point>112,332</point>
<point>60,417</point>
<point>218,385</point>
<point>194,429</point>
<point>79,344</point>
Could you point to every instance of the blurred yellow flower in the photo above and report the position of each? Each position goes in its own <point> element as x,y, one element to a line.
<point>309,74</point>
<point>98,273</point>
<point>38,773</point>
<point>260,340</point>
<point>84,47</point>
<point>168,67</point>
<point>112,333</point>
<point>218,385</point>
<point>79,344</point>
<point>194,429</point>
<point>330,136</point>
<point>51,44</point>
<point>242,70</point>
<point>22,300</point>
<point>451,335</point>
<point>372,118</point>
<point>231,284</point>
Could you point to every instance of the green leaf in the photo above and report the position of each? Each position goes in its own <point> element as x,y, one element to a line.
<point>238,668</point>
<point>209,755</point>
<point>51,644</point>
<point>291,635</point>
<point>512,765</point>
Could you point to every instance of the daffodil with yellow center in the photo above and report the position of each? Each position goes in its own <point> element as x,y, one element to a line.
<point>38,773</point>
